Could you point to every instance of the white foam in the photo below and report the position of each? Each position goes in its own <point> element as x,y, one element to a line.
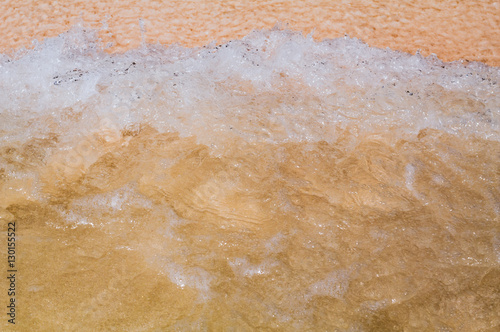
<point>336,83</point>
<point>273,86</point>
<point>193,277</point>
<point>334,284</point>
<point>243,268</point>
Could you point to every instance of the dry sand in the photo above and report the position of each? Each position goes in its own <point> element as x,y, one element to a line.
<point>451,29</point>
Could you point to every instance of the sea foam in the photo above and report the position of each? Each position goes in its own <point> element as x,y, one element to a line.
<point>272,182</point>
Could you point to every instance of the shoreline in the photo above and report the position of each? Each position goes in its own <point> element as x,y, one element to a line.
<point>452,31</point>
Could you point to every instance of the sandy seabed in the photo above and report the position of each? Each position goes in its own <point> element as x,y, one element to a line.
<point>270,182</point>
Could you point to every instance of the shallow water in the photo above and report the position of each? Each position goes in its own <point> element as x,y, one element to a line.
<point>271,183</point>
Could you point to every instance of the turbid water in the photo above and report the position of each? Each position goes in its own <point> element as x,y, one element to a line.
<point>269,183</point>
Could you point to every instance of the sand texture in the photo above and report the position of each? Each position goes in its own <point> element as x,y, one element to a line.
<point>451,29</point>
<point>266,182</point>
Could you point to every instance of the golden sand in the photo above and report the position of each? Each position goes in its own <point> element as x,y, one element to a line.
<point>133,229</point>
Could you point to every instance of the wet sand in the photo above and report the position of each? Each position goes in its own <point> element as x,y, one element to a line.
<point>227,190</point>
